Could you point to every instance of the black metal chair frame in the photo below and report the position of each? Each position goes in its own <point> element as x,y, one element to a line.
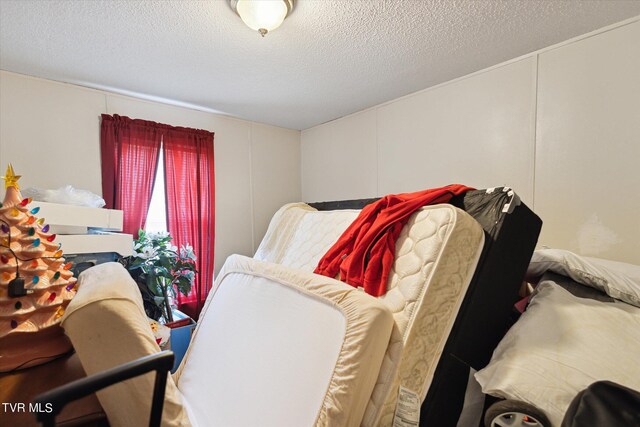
<point>57,398</point>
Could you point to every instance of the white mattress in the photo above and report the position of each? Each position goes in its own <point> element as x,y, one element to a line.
<point>281,347</point>
<point>436,255</point>
<point>298,235</point>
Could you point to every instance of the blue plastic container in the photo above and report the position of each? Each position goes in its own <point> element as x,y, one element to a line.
<point>180,339</point>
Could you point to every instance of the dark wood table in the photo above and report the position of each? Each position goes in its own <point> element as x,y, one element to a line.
<point>23,385</point>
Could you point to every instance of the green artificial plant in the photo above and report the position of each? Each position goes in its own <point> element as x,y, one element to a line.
<point>161,270</point>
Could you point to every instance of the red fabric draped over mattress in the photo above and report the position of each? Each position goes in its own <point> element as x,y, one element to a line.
<point>364,253</point>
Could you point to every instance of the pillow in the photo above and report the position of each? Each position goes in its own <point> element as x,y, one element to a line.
<point>561,345</point>
<point>606,276</point>
<point>629,270</point>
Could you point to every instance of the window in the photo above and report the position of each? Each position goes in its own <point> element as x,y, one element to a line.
<point>157,213</point>
<point>183,189</point>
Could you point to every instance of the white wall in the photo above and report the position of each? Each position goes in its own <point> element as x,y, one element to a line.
<point>50,132</point>
<point>561,126</point>
<point>588,145</point>
<point>339,159</point>
<point>478,130</point>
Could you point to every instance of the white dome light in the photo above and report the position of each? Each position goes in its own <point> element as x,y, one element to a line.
<point>262,15</point>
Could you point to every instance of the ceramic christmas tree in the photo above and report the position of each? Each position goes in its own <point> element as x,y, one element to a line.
<point>36,284</point>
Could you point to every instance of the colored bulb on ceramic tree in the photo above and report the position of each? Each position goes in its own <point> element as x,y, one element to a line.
<point>52,296</point>
<point>35,210</point>
<point>56,276</point>
<point>51,238</point>
<point>40,222</point>
<point>36,243</point>
<point>31,231</point>
<point>15,212</point>
<point>31,220</point>
<point>25,202</point>
<point>45,229</point>
<point>35,279</point>
<point>4,259</point>
<point>58,254</point>
<point>68,266</point>
<point>5,229</point>
<point>34,264</point>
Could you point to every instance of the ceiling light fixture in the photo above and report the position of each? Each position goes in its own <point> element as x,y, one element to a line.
<point>262,15</point>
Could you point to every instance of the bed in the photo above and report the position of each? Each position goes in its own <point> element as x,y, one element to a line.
<point>582,325</point>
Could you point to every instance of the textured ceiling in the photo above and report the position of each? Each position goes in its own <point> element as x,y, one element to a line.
<point>329,58</point>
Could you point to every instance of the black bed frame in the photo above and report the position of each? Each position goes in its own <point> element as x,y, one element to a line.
<point>486,312</point>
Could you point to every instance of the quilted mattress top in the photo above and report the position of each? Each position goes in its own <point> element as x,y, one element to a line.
<point>436,256</point>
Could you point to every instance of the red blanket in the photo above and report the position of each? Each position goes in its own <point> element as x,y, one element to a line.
<point>364,254</point>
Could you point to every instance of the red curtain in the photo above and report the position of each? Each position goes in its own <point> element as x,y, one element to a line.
<point>129,150</point>
<point>190,196</point>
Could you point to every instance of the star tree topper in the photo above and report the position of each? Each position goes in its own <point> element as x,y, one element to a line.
<point>10,178</point>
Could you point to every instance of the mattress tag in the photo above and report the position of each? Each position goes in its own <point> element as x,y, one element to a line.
<point>407,409</point>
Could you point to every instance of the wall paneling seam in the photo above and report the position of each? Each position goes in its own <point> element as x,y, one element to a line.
<point>250,134</point>
<point>377,154</point>
<point>535,134</point>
